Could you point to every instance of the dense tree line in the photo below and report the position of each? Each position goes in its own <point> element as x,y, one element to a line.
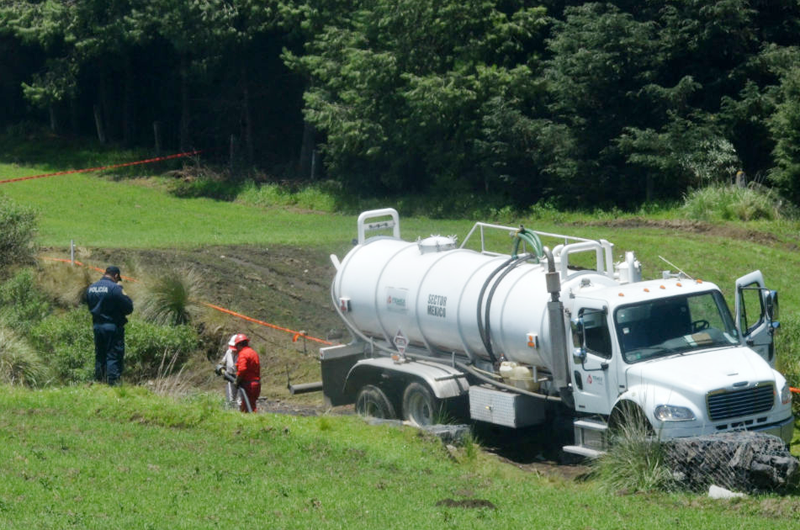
<point>515,101</point>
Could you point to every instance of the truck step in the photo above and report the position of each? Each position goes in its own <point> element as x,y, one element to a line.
<point>590,438</point>
<point>583,451</point>
<point>592,425</point>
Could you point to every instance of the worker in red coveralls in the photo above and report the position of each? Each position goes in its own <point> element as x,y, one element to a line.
<point>248,371</point>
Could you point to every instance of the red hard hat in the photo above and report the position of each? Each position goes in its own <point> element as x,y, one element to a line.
<point>239,338</point>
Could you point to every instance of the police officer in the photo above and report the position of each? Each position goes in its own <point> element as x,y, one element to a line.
<point>108,305</point>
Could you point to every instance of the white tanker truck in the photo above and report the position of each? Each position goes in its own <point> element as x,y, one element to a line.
<point>514,340</point>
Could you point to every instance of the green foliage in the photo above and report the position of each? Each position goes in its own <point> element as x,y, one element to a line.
<point>787,350</point>
<point>728,203</point>
<point>395,88</point>
<point>315,197</point>
<point>170,298</point>
<point>147,344</point>
<point>22,304</point>
<point>20,364</point>
<point>67,344</point>
<point>17,230</point>
<point>785,127</point>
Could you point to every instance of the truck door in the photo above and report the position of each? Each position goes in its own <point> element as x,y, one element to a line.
<point>594,379</point>
<point>754,319</point>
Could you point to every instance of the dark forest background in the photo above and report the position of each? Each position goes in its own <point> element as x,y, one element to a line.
<point>581,104</point>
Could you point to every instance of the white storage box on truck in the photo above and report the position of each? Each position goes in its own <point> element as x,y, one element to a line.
<point>515,336</point>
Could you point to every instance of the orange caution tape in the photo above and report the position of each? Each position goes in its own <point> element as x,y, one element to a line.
<point>296,334</point>
<point>126,164</point>
<point>795,390</point>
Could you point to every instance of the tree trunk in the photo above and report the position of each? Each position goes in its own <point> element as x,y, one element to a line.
<point>185,110</point>
<point>127,105</point>
<point>247,115</point>
<point>53,119</point>
<point>98,123</point>
<point>105,103</point>
<point>307,151</point>
<point>157,136</point>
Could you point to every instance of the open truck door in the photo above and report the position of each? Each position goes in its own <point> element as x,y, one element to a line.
<point>757,314</point>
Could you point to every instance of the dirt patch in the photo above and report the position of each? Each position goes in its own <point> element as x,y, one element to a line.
<point>686,225</point>
<point>467,503</point>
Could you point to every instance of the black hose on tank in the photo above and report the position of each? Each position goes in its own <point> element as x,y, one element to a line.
<point>488,340</point>
<point>481,330</point>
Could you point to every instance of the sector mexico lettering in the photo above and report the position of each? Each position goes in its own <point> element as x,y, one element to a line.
<point>437,305</point>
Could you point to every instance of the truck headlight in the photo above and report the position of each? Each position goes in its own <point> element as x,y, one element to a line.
<point>673,413</point>
<point>786,394</point>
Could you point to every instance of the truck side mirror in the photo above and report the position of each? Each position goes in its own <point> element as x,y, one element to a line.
<point>771,304</point>
<point>578,339</point>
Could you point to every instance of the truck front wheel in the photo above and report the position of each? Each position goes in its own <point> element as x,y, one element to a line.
<point>420,406</point>
<point>628,420</point>
<point>372,402</point>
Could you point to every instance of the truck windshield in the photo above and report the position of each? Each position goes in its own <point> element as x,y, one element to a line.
<point>669,326</point>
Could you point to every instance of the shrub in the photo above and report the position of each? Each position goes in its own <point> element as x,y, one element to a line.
<point>17,229</point>
<point>146,344</point>
<point>21,303</point>
<point>67,344</point>
<point>727,203</point>
<point>20,364</point>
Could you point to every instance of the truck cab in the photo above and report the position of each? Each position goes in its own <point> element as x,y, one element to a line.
<point>670,350</point>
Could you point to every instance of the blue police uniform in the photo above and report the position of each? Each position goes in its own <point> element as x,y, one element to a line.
<point>108,306</point>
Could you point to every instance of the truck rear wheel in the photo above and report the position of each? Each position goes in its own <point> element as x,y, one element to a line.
<point>420,406</point>
<point>372,402</point>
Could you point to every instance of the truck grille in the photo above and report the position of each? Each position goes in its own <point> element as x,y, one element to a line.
<point>755,400</point>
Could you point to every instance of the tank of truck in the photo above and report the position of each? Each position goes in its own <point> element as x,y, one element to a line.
<point>429,292</point>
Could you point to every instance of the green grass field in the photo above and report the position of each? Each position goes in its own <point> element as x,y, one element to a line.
<point>123,458</point>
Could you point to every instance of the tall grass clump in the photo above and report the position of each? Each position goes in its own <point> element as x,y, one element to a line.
<point>171,298</point>
<point>635,462</point>
<point>720,202</point>
<point>65,285</point>
<point>20,364</point>
<point>17,230</point>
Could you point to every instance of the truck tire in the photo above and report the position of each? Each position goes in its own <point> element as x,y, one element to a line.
<point>628,420</point>
<point>420,407</point>
<point>372,402</point>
